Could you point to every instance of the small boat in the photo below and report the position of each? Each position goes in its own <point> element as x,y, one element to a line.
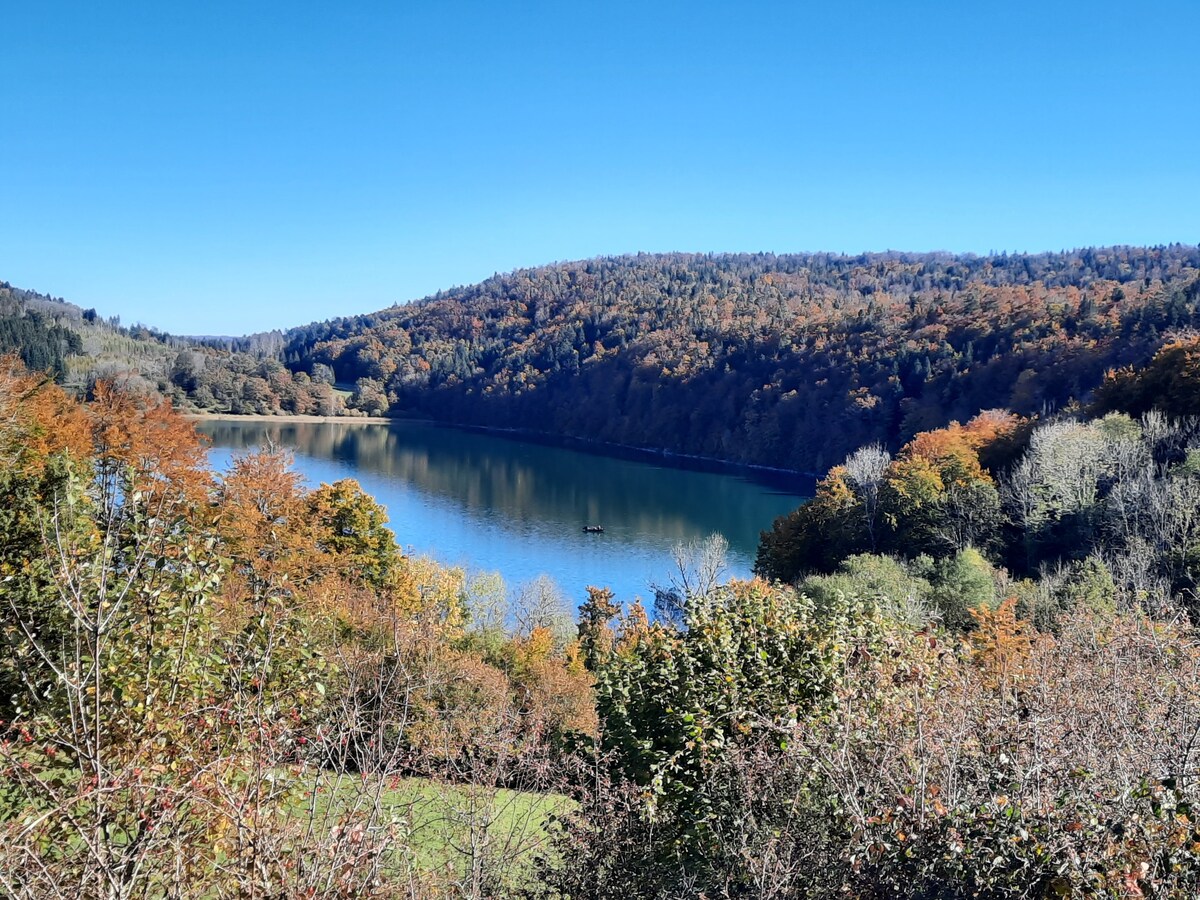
<point>593,529</point>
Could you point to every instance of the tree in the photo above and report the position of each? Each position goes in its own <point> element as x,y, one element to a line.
<point>699,565</point>
<point>815,537</point>
<point>865,471</point>
<point>891,584</point>
<point>540,604</point>
<point>938,499</point>
<point>352,527</point>
<point>963,584</point>
<point>674,704</point>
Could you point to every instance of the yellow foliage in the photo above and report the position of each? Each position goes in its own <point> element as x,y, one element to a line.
<point>1001,645</point>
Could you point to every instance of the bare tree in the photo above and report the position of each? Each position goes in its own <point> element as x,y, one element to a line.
<point>700,564</point>
<point>865,471</point>
<point>540,603</point>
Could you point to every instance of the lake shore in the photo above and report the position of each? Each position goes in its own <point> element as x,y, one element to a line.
<point>290,419</point>
<point>605,448</point>
<point>609,448</point>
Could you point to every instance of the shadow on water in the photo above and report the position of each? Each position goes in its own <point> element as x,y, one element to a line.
<point>499,501</point>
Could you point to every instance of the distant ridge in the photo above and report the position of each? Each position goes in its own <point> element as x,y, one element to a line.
<point>780,360</point>
<point>783,360</point>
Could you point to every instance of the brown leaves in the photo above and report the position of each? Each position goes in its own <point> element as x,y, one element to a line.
<point>262,524</point>
<point>1001,644</point>
<point>149,442</point>
<point>37,420</point>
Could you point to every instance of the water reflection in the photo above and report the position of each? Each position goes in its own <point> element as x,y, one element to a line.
<point>519,507</point>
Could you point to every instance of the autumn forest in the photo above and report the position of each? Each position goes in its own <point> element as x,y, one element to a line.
<point>967,667</point>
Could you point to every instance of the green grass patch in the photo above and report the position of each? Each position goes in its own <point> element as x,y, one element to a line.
<point>447,829</point>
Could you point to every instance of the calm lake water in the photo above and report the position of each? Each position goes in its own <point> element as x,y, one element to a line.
<point>491,503</point>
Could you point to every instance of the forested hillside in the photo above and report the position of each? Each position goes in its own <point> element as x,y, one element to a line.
<point>32,326</point>
<point>788,361</point>
<point>219,374</point>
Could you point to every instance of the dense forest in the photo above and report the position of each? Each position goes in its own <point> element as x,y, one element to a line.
<point>788,361</point>
<point>967,670</point>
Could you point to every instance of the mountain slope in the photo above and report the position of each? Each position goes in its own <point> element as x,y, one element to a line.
<point>787,361</point>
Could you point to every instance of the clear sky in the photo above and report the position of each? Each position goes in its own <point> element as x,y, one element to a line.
<point>225,167</point>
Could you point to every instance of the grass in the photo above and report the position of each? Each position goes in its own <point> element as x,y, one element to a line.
<point>446,829</point>
<point>439,832</point>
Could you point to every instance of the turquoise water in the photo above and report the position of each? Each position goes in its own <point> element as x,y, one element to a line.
<point>491,503</point>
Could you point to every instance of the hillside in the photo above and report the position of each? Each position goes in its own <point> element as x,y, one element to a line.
<point>787,361</point>
<point>222,374</point>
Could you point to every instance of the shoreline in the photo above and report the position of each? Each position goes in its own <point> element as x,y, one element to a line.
<point>604,448</point>
<point>290,419</point>
<point>653,452</point>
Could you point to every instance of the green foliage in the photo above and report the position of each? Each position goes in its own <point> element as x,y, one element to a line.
<point>26,577</point>
<point>910,592</point>
<point>1086,584</point>
<point>42,345</point>
<point>751,661</point>
<point>962,583</point>
<point>890,584</point>
<point>1005,765</point>
<point>353,526</point>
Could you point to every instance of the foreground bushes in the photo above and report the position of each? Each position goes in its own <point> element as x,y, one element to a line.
<point>224,687</point>
<point>773,751</point>
<point>220,686</point>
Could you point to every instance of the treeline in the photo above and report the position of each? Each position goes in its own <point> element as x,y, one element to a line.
<point>789,361</point>
<point>79,347</point>
<point>230,375</point>
<point>249,383</point>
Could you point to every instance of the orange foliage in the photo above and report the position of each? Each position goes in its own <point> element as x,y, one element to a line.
<point>148,440</point>
<point>954,439</point>
<point>956,447</point>
<point>261,520</point>
<point>1001,645</point>
<point>37,419</point>
<point>1170,383</point>
<point>555,691</point>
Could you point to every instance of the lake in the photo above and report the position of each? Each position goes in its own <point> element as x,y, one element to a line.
<point>492,503</point>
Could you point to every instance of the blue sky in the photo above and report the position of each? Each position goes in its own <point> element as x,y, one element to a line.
<point>225,167</point>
